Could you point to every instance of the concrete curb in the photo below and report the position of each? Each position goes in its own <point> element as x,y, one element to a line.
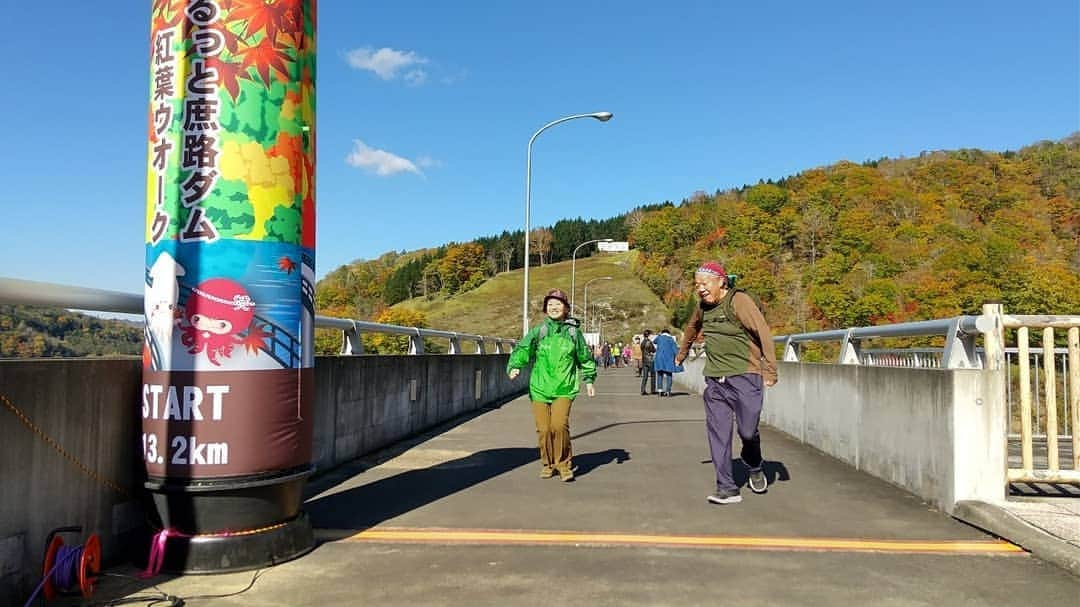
<point>1006,525</point>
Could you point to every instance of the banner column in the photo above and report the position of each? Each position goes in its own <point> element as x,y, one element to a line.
<point>228,361</point>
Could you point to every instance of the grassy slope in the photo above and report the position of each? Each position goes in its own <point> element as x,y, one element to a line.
<point>495,307</point>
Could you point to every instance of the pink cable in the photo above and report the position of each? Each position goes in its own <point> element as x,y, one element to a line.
<point>157,554</point>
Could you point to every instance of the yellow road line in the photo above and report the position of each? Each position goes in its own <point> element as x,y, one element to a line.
<point>510,537</point>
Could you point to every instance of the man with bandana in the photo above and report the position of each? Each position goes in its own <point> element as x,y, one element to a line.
<point>740,361</point>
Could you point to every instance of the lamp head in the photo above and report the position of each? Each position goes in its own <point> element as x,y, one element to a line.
<point>603,116</point>
<point>607,240</point>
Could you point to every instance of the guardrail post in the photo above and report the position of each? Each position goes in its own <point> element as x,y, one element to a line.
<point>1050,392</point>
<point>480,346</point>
<point>791,351</point>
<point>993,330</point>
<point>959,349</point>
<point>416,343</point>
<point>849,350</point>
<point>351,344</point>
<point>1074,392</point>
<point>1024,356</point>
<point>455,344</point>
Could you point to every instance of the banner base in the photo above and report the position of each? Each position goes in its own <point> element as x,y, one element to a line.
<point>208,554</point>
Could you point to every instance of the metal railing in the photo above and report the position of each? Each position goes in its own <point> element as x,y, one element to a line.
<point>959,352</point>
<point>31,293</point>
<point>1049,402</point>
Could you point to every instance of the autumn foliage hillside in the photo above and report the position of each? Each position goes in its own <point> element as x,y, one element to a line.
<point>885,241</point>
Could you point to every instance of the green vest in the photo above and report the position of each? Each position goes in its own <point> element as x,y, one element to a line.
<point>727,345</point>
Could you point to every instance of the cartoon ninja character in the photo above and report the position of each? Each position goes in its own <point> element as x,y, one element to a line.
<point>218,311</point>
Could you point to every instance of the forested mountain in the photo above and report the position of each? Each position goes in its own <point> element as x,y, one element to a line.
<point>32,332</point>
<point>363,289</point>
<point>885,241</point>
<point>849,244</point>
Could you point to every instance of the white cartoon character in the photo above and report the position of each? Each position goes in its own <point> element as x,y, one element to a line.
<point>160,307</point>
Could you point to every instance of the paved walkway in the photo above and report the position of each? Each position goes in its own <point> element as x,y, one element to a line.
<point>460,517</point>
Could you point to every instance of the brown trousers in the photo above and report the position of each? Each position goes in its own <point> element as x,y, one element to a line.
<point>553,433</point>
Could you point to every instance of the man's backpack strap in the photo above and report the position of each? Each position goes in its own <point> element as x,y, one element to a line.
<point>729,309</point>
<point>729,303</point>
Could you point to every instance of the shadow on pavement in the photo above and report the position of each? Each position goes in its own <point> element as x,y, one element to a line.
<point>642,421</point>
<point>774,471</point>
<point>587,462</point>
<point>383,499</point>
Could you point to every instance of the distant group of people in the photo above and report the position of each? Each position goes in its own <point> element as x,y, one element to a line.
<point>654,358</point>
<point>740,362</point>
<point>610,355</point>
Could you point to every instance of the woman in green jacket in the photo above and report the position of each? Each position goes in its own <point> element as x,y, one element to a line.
<point>559,355</point>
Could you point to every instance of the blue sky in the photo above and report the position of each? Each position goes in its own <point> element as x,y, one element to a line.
<point>425,110</point>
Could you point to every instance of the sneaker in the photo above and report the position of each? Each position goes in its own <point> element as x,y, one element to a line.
<point>547,472</point>
<point>725,496</point>
<point>758,482</point>
<point>567,475</point>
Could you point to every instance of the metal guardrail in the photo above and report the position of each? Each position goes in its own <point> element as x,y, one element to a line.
<point>961,352</point>
<point>32,293</point>
<point>959,332</point>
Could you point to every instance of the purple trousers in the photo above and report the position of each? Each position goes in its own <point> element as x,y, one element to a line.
<point>739,397</point>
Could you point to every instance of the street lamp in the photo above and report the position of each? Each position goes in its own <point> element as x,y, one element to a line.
<point>584,321</point>
<point>573,263</point>
<point>602,117</point>
<point>599,308</point>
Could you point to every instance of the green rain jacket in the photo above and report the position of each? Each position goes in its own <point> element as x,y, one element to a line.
<point>557,359</point>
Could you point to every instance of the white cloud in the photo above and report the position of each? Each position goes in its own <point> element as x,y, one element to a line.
<point>415,77</point>
<point>427,162</point>
<point>388,63</point>
<point>455,77</point>
<point>380,162</point>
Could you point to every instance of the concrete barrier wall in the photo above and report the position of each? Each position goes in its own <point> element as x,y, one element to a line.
<point>940,434</point>
<point>91,409</point>
<point>365,403</point>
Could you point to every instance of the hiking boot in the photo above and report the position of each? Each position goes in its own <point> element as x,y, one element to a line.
<point>725,496</point>
<point>547,472</point>
<point>758,482</point>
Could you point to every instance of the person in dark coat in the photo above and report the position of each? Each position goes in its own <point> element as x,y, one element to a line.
<point>648,354</point>
<point>666,348</point>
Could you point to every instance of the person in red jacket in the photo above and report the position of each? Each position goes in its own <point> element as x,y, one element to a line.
<point>559,354</point>
<point>740,361</point>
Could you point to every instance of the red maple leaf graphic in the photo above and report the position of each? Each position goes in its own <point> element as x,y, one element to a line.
<point>266,59</point>
<point>255,339</point>
<point>229,74</point>
<point>286,265</point>
<point>168,12</point>
<point>271,17</point>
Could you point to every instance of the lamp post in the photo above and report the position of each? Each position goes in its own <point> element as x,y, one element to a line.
<point>599,308</point>
<point>573,264</point>
<point>584,321</point>
<point>602,117</point>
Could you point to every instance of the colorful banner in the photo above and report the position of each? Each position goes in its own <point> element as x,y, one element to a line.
<point>230,237</point>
